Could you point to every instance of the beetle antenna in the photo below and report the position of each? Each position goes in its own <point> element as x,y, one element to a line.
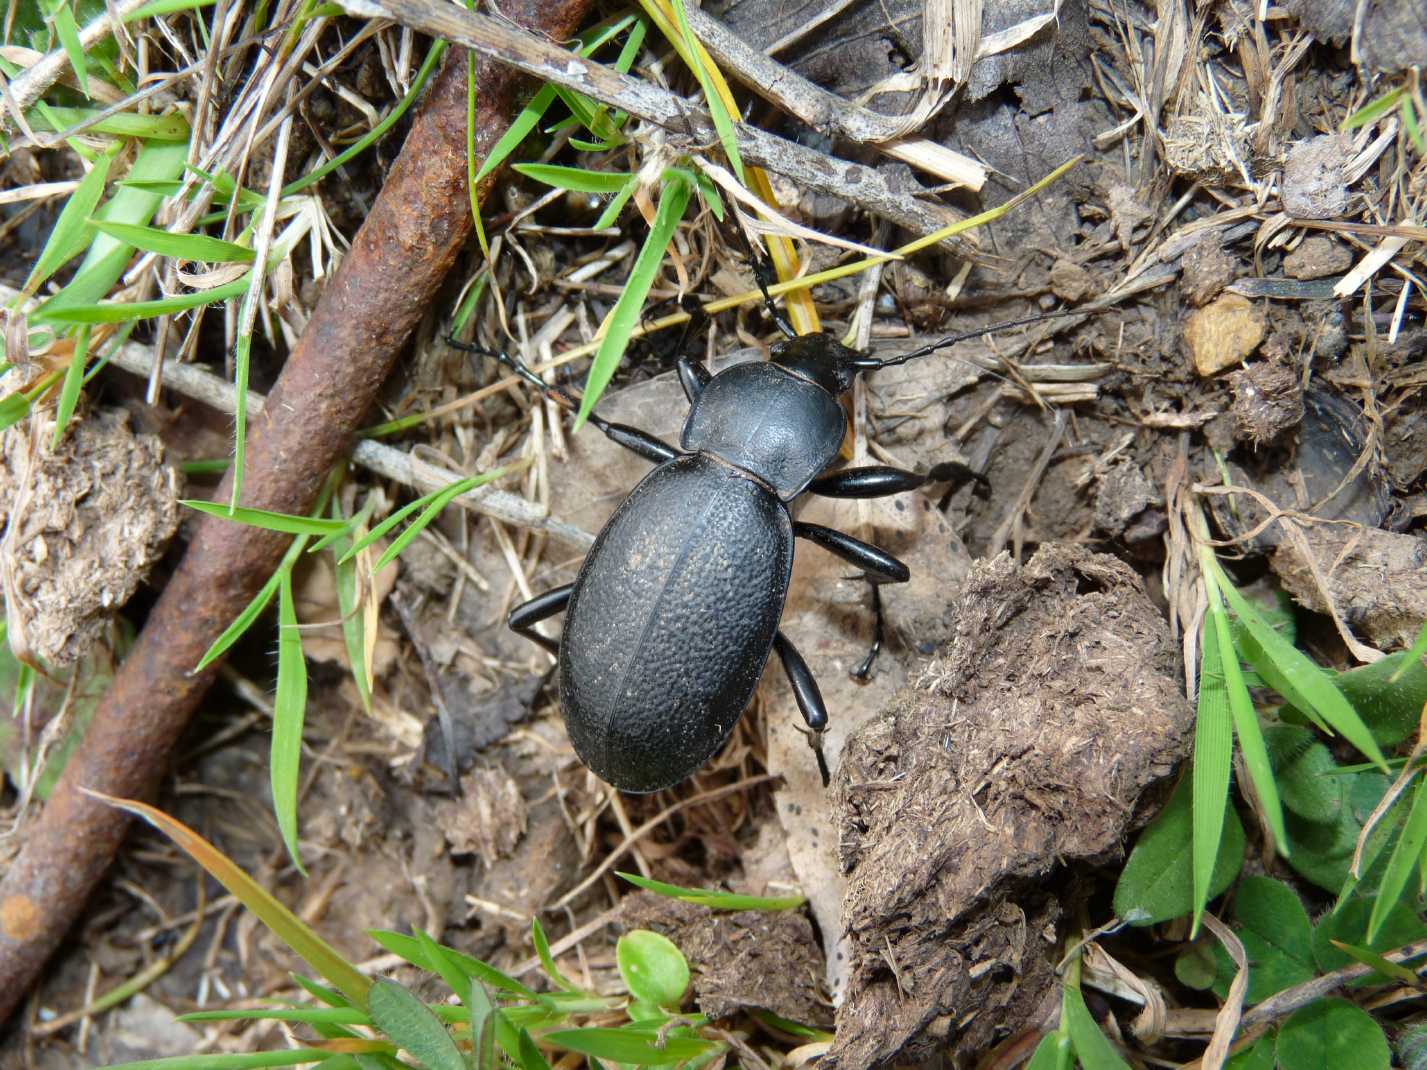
<point>520,368</point>
<point>868,363</point>
<point>764,275</point>
<point>763,272</point>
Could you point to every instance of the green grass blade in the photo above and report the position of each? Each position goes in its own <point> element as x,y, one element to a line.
<point>305,1015</point>
<point>411,949</point>
<point>1054,1052</point>
<point>423,75</point>
<point>436,503</point>
<point>547,961</point>
<point>1213,757</point>
<point>67,30</point>
<point>72,230</point>
<point>180,246</point>
<point>530,1056</point>
<point>165,7</point>
<point>714,899</point>
<point>107,257</point>
<point>1284,660</point>
<point>709,192</point>
<point>413,1027</point>
<point>283,923</point>
<point>287,523</point>
<point>1247,728</point>
<point>244,620</point>
<point>124,311</point>
<point>616,205</point>
<point>533,112</point>
<point>581,107</point>
<point>240,1061</point>
<point>417,526</point>
<point>171,127</point>
<point>242,353</point>
<point>1374,110</point>
<point>575,178</point>
<point>456,979</point>
<point>519,130</point>
<point>73,383</point>
<point>626,1046</point>
<point>1406,857</point>
<point>722,120</point>
<point>1379,963</point>
<point>1411,126</point>
<point>672,200</point>
<point>289,711</point>
<point>1418,649</point>
<point>390,522</point>
<point>1092,1047</point>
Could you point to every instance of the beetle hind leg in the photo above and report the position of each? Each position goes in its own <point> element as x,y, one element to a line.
<point>524,617</point>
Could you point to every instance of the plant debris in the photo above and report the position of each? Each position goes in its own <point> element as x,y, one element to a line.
<point>741,960</point>
<point>83,522</point>
<point>1028,743</point>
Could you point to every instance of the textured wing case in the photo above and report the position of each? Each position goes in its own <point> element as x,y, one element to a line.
<point>671,622</point>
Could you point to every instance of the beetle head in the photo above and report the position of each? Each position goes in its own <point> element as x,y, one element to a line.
<point>820,359</point>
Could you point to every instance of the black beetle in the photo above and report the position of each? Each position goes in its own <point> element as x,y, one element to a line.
<point>675,610</point>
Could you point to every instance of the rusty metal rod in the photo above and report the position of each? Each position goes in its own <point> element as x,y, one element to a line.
<point>399,258</point>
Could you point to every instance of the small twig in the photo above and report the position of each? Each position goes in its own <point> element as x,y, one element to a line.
<point>649,826</point>
<point>198,383</point>
<point>816,106</point>
<point>865,186</point>
<point>140,981</point>
<point>1289,1000</point>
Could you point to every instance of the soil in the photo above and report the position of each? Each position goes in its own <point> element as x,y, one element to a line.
<point>1027,713</point>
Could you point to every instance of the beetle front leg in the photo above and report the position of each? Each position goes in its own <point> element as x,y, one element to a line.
<point>806,694</point>
<point>693,376</point>
<point>524,617</point>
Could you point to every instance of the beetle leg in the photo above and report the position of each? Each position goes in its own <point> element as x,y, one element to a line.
<point>524,617</point>
<point>693,377</point>
<point>635,440</point>
<point>806,693</point>
<point>879,481</point>
<point>878,567</point>
<point>879,624</point>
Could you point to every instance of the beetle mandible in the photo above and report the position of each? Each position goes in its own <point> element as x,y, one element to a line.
<point>674,612</point>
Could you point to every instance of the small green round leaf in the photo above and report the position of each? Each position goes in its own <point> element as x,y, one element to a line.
<point>1332,1034</point>
<point>653,969</point>
<point>1196,968</point>
<point>1258,1057</point>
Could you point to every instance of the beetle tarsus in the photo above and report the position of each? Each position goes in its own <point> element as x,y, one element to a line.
<point>863,672</point>
<point>815,740</point>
